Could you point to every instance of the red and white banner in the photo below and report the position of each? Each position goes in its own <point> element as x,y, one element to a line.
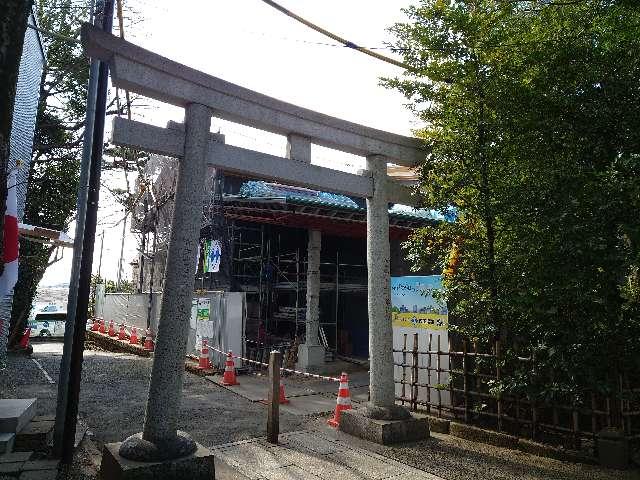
<point>10,275</point>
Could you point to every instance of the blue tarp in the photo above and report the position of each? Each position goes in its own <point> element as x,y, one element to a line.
<point>261,189</point>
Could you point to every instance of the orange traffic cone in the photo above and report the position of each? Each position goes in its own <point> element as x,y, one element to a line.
<point>112,329</point>
<point>102,328</point>
<point>96,325</point>
<point>133,339</point>
<point>283,397</point>
<point>229,377</point>
<point>148,341</point>
<point>24,341</point>
<point>122,335</point>
<point>204,362</point>
<point>343,402</point>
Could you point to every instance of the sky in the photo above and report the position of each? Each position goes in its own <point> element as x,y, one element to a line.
<point>248,43</point>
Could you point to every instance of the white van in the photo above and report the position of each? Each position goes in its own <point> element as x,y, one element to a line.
<point>48,324</point>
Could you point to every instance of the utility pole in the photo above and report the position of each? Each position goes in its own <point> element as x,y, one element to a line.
<point>86,263</point>
<point>81,208</point>
<point>124,234</point>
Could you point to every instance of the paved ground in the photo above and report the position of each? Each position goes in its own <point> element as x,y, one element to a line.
<point>307,456</point>
<point>306,396</point>
<point>114,389</point>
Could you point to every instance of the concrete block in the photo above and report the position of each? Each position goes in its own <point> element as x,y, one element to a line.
<point>6,442</point>
<point>15,457</point>
<point>227,472</point>
<point>35,436</point>
<point>197,466</point>
<point>39,475</point>
<point>310,357</point>
<point>438,425</point>
<point>476,434</point>
<point>542,450</point>
<point>12,468</point>
<point>15,413</point>
<point>40,465</point>
<point>613,448</point>
<point>44,418</point>
<point>385,432</point>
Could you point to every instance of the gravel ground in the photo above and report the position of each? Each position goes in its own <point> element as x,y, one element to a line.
<point>114,391</point>
<point>453,458</point>
<point>113,396</point>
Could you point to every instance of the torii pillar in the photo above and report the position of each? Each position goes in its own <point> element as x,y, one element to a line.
<point>160,440</point>
<point>310,353</point>
<point>381,420</point>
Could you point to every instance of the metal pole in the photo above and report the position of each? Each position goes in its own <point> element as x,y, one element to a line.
<point>143,246</point>
<point>101,250</point>
<point>152,274</point>
<point>81,204</point>
<point>273,397</point>
<point>124,234</point>
<point>86,263</point>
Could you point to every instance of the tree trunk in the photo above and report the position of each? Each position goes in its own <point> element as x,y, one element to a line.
<point>13,25</point>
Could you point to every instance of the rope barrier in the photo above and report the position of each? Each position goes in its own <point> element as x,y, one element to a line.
<point>255,362</point>
<point>282,369</point>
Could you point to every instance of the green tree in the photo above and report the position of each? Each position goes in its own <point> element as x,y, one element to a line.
<point>530,111</point>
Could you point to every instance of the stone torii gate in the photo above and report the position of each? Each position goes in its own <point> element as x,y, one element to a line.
<point>203,96</point>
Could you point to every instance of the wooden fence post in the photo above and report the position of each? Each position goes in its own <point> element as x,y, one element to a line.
<point>498,376</point>
<point>273,415</point>
<point>429,373</point>
<point>414,373</point>
<point>465,387</point>
<point>451,392</point>
<point>439,378</point>
<point>404,368</point>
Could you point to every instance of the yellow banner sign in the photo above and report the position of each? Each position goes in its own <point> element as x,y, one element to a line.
<point>429,321</point>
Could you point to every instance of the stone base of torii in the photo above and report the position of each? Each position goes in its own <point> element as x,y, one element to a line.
<point>160,451</point>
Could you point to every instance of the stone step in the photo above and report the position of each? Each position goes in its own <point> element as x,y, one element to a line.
<point>6,442</point>
<point>37,435</point>
<point>15,413</point>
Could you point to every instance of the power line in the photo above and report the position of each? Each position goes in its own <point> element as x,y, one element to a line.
<point>335,37</point>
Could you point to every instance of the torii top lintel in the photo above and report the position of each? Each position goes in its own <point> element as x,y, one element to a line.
<point>149,74</point>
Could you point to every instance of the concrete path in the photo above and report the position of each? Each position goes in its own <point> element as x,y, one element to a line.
<point>306,397</point>
<point>311,455</point>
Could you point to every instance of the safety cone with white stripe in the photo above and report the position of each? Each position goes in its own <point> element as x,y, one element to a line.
<point>96,325</point>
<point>133,338</point>
<point>24,341</point>
<point>229,377</point>
<point>204,362</point>
<point>112,329</point>
<point>102,328</point>
<point>122,335</point>
<point>343,402</point>
<point>148,341</point>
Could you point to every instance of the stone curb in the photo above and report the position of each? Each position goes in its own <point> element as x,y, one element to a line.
<point>114,345</point>
<point>504,440</point>
<point>119,346</point>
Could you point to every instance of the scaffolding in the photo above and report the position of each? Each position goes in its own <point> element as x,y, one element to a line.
<point>275,282</point>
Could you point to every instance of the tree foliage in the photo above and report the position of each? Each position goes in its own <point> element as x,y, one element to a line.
<point>531,119</point>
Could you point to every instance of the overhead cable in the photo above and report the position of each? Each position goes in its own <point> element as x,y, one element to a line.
<point>335,37</point>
